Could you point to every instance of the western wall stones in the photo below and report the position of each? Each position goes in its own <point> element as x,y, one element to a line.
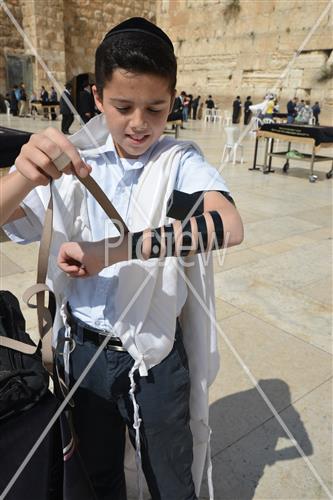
<point>249,50</point>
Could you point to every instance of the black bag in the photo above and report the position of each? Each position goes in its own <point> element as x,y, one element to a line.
<point>23,378</point>
<point>55,471</point>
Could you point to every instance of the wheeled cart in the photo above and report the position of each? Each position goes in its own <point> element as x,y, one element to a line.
<point>316,137</point>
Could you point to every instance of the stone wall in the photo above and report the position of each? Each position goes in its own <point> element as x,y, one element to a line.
<point>10,40</point>
<point>43,22</point>
<point>231,47</point>
<point>224,47</point>
<point>65,33</point>
<point>86,23</point>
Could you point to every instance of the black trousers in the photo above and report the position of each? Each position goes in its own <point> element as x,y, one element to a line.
<point>103,409</point>
<point>66,122</point>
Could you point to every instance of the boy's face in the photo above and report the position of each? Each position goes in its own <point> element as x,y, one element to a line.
<point>136,107</point>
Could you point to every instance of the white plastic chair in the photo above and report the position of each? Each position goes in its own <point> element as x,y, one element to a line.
<point>226,118</point>
<point>208,115</point>
<point>217,117</point>
<point>231,146</point>
<point>7,107</point>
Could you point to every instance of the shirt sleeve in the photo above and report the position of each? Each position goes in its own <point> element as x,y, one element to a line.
<point>28,228</point>
<point>196,174</point>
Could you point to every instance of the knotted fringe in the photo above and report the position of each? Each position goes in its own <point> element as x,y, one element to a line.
<point>210,468</point>
<point>66,348</point>
<point>136,426</point>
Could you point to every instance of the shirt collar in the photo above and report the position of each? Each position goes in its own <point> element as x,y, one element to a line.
<point>110,149</point>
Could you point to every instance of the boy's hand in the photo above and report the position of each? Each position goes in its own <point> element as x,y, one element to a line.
<point>81,260</point>
<point>35,161</point>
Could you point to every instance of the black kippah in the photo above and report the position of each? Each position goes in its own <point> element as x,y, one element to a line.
<point>139,24</point>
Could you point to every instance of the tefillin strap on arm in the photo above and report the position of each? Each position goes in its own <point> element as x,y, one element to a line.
<point>188,243</point>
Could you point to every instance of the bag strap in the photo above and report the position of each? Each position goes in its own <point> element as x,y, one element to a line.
<point>44,315</point>
<point>17,345</point>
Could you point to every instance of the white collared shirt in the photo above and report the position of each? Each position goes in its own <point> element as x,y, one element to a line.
<point>92,300</point>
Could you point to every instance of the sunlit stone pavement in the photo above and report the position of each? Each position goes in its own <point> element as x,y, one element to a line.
<point>274,301</point>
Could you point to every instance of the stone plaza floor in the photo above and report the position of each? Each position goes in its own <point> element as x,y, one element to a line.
<point>274,302</point>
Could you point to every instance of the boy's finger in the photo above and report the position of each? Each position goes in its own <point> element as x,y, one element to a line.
<point>69,154</point>
<point>76,272</point>
<point>31,171</point>
<point>42,161</point>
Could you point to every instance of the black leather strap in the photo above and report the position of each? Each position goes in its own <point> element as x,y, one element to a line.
<point>219,228</point>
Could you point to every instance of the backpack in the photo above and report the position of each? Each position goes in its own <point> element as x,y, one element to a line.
<point>23,378</point>
<point>55,470</point>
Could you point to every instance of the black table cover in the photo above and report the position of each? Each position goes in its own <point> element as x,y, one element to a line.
<point>11,142</point>
<point>319,133</point>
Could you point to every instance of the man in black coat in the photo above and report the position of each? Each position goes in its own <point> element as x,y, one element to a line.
<point>86,104</point>
<point>195,104</point>
<point>177,110</point>
<point>236,110</point>
<point>247,111</point>
<point>65,111</point>
<point>14,101</point>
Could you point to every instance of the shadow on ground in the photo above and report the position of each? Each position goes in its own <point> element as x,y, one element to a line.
<point>245,439</point>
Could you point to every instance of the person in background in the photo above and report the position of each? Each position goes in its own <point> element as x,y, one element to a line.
<point>200,111</point>
<point>86,105</point>
<point>14,100</point>
<point>186,103</point>
<point>316,112</point>
<point>300,105</point>
<point>23,106</point>
<point>195,104</point>
<point>236,110</point>
<point>190,101</point>
<point>44,95</point>
<point>276,106</point>
<point>53,100</point>
<point>291,110</point>
<point>65,111</point>
<point>247,111</point>
<point>270,107</point>
<point>44,99</point>
<point>305,114</point>
<point>32,108</point>
<point>177,111</point>
<point>210,104</point>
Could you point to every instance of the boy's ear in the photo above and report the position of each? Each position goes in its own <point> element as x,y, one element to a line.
<point>173,97</point>
<point>98,100</point>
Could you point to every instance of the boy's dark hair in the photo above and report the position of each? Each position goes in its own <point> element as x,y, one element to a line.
<point>138,46</point>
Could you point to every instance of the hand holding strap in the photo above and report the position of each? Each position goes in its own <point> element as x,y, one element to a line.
<point>45,313</point>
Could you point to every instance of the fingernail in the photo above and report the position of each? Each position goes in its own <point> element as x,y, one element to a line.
<point>83,171</point>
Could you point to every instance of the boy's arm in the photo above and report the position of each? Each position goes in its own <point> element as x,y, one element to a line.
<point>35,167</point>
<point>219,226</point>
<point>13,188</point>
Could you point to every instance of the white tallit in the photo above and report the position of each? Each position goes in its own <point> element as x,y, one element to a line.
<point>147,328</point>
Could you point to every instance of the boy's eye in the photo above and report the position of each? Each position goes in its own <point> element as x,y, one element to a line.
<point>122,110</point>
<point>126,109</point>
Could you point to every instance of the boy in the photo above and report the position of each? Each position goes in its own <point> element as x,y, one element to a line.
<point>141,379</point>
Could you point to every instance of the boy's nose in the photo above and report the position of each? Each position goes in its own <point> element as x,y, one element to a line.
<point>138,121</point>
